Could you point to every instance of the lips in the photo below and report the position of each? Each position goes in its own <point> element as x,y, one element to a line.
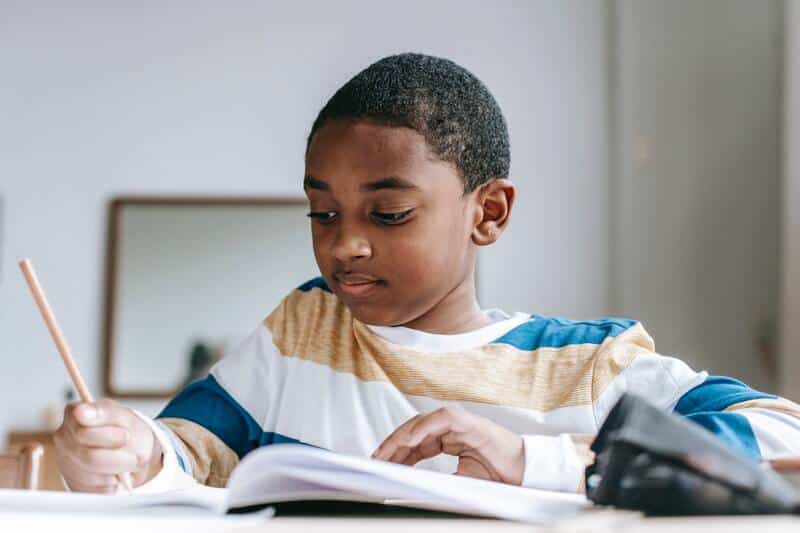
<point>357,285</point>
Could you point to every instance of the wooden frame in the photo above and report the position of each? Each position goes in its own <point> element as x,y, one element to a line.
<point>111,267</point>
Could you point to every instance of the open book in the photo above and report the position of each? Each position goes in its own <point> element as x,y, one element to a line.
<point>298,473</point>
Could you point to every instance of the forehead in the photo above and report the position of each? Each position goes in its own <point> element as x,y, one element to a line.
<point>363,151</point>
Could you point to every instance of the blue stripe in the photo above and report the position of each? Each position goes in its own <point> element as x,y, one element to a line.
<point>731,428</point>
<point>206,403</point>
<point>173,440</point>
<point>318,283</point>
<point>181,463</point>
<point>717,393</point>
<point>554,332</point>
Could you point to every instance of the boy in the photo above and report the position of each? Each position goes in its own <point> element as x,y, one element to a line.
<point>389,353</point>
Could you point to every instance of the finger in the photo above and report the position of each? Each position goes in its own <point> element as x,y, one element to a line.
<point>70,421</point>
<point>104,461</point>
<point>64,439</point>
<point>433,425</point>
<point>80,479</point>
<point>455,443</point>
<point>429,447</point>
<point>110,437</point>
<point>387,447</point>
<point>439,422</point>
<point>472,467</point>
<point>79,486</point>
<point>398,450</point>
<point>450,443</point>
<point>404,436</point>
<point>102,413</point>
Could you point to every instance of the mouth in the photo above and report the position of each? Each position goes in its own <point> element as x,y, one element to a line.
<point>357,285</point>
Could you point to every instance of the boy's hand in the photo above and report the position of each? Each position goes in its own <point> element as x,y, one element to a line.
<point>484,449</point>
<point>99,440</point>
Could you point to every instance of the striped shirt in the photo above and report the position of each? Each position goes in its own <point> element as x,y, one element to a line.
<point>313,374</point>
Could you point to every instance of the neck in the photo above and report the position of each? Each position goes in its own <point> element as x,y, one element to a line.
<point>457,312</point>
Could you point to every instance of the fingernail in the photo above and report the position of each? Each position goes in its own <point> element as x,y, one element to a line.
<point>89,413</point>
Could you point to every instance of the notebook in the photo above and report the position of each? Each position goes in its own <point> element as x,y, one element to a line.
<point>304,475</point>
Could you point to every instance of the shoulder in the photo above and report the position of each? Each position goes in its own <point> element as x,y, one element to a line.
<point>557,332</point>
<point>307,308</point>
<point>312,297</point>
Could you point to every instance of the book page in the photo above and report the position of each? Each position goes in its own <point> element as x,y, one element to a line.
<point>198,497</point>
<point>289,471</point>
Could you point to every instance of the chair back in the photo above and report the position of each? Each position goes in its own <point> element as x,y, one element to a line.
<point>21,470</point>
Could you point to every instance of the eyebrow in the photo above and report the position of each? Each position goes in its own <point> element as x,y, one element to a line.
<point>310,182</point>
<point>389,182</point>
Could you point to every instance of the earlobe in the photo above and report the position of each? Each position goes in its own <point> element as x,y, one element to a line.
<point>496,200</point>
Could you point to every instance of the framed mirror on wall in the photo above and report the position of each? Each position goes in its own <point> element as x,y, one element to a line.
<point>187,278</point>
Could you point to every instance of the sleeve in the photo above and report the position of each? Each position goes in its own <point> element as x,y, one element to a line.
<point>758,425</point>
<point>556,462</point>
<point>212,423</point>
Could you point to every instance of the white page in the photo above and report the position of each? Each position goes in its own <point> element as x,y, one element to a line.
<point>267,474</point>
<point>198,497</point>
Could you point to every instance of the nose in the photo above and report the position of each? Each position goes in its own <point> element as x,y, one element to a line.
<point>350,244</point>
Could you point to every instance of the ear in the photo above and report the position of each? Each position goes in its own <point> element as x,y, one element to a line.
<point>495,200</point>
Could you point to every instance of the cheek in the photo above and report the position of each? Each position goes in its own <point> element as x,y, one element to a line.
<point>318,242</point>
<point>425,258</point>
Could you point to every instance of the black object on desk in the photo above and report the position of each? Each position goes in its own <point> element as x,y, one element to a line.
<point>662,464</point>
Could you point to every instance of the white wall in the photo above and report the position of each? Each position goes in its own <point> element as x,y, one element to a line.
<point>101,98</point>
<point>789,382</point>
<point>697,118</point>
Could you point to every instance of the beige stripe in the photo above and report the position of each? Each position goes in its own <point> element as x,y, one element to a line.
<point>212,460</point>
<point>316,327</point>
<point>780,404</point>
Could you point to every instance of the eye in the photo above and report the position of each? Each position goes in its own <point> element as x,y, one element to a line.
<point>390,219</point>
<point>323,217</point>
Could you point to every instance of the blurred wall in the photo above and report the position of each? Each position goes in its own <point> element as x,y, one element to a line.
<point>102,98</point>
<point>789,381</point>
<point>696,180</point>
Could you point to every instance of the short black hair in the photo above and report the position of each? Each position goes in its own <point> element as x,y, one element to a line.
<point>444,102</point>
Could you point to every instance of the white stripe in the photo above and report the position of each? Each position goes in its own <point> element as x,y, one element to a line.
<point>245,372</point>
<point>659,379</point>
<point>777,434</point>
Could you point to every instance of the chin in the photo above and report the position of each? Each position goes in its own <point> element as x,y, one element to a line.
<point>374,317</point>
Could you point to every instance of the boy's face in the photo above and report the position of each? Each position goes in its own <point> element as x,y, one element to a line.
<point>391,224</point>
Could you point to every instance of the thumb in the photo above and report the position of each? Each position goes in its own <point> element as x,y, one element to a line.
<point>102,413</point>
<point>87,415</point>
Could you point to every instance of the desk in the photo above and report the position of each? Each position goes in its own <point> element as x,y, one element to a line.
<point>210,524</point>
<point>630,524</point>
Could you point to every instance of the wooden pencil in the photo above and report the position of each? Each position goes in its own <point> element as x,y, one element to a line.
<point>62,345</point>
